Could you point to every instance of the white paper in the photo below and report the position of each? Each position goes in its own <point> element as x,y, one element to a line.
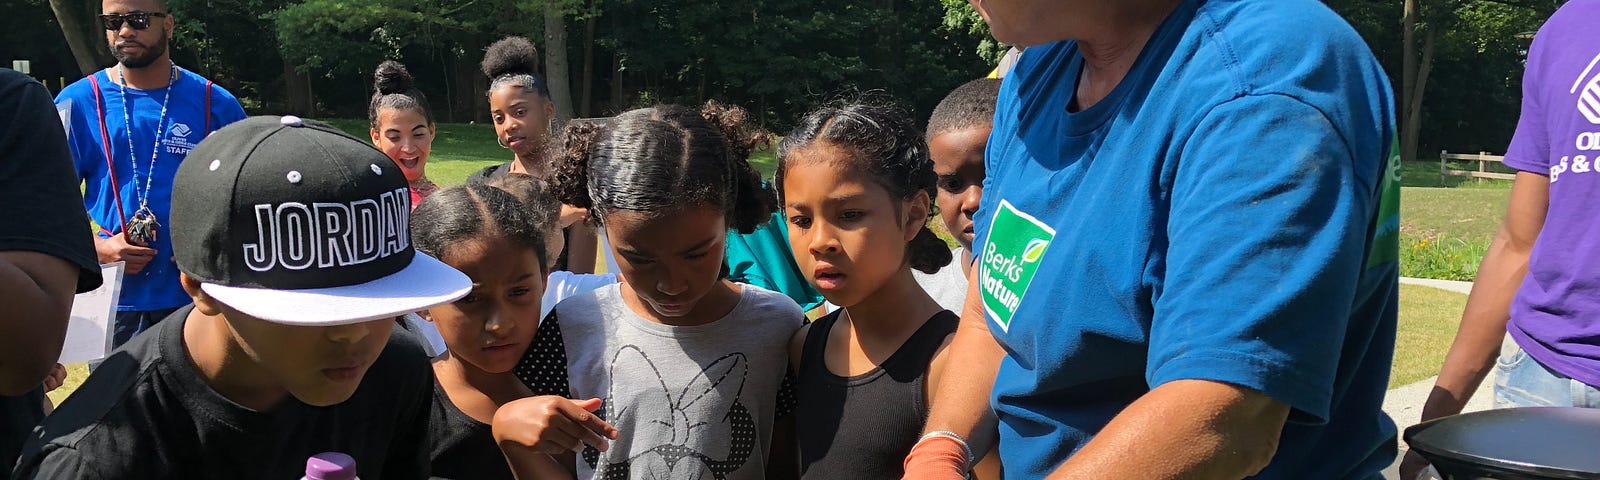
<point>64,110</point>
<point>93,314</point>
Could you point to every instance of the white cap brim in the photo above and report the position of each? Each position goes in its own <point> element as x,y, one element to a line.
<point>425,283</point>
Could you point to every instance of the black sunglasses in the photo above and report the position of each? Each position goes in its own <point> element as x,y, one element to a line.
<point>137,20</point>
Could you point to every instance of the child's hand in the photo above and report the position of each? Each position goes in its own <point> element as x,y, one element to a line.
<point>550,424</point>
<point>58,376</point>
<point>571,215</point>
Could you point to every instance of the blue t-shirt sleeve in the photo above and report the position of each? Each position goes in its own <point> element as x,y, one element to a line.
<point>1267,233</point>
<point>224,107</point>
<point>1002,132</point>
<point>75,105</point>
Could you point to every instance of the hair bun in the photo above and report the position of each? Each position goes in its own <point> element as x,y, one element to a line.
<point>734,124</point>
<point>752,200</point>
<point>571,174</point>
<point>927,253</point>
<point>510,56</point>
<point>392,77</point>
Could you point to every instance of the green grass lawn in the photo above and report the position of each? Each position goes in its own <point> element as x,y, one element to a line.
<point>766,160</point>
<point>1428,321</point>
<point>1444,232</point>
<point>461,148</point>
<point>1425,173</point>
<point>1446,226</point>
<point>1471,214</point>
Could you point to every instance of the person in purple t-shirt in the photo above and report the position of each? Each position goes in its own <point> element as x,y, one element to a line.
<point>1540,280</point>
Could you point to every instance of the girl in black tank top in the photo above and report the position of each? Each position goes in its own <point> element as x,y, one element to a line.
<point>862,426</point>
<point>857,187</point>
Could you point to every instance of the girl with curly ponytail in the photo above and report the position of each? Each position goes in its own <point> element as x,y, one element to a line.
<point>690,366</point>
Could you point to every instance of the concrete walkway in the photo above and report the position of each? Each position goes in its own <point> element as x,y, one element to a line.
<point>1451,285</point>
<point>1404,404</point>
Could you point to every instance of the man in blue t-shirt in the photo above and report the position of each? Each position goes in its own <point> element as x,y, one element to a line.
<point>129,126</point>
<point>1186,249</point>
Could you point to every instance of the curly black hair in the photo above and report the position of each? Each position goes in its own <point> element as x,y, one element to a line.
<point>456,214</point>
<point>536,196</point>
<point>514,61</point>
<point>886,147</point>
<point>661,159</point>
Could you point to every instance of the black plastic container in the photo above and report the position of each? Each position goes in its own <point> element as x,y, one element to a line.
<point>1534,443</point>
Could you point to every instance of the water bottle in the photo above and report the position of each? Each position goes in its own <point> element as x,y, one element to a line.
<point>330,466</point>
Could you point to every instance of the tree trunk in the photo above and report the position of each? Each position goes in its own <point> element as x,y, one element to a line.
<point>761,109</point>
<point>297,91</point>
<point>700,87</point>
<point>1411,131</point>
<point>84,36</point>
<point>617,102</point>
<point>449,93</point>
<point>585,103</point>
<point>1408,50</point>
<point>556,70</point>
<point>1408,76</point>
<point>470,86</point>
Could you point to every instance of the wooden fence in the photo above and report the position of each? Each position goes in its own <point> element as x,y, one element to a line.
<point>1483,159</point>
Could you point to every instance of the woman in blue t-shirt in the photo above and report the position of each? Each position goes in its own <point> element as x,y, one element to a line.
<point>1186,249</point>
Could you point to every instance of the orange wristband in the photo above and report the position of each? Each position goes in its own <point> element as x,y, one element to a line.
<point>938,458</point>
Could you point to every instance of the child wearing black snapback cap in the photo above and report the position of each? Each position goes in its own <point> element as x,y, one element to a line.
<point>293,242</point>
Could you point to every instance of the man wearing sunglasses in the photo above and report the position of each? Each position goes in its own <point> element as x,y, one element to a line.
<point>129,126</point>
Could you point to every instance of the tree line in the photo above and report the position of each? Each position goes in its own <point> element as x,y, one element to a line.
<point>1456,65</point>
<point>315,57</point>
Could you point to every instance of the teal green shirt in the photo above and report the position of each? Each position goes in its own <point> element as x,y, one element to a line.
<point>763,259</point>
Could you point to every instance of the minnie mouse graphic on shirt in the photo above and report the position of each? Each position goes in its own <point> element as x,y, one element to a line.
<point>699,431</point>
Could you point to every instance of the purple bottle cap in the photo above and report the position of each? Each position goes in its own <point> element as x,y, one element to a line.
<point>330,466</point>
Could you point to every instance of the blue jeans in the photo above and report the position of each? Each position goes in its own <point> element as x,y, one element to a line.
<point>130,323</point>
<point>1521,381</point>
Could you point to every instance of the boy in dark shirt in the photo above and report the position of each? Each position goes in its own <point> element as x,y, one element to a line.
<point>292,239</point>
<point>44,255</point>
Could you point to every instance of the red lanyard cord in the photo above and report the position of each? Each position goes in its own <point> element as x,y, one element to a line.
<point>105,140</point>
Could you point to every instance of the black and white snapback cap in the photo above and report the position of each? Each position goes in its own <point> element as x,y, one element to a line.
<point>294,222</point>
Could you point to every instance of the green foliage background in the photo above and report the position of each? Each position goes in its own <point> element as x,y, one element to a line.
<point>774,57</point>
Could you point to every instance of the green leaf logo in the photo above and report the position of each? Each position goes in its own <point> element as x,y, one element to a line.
<point>1035,250</point>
